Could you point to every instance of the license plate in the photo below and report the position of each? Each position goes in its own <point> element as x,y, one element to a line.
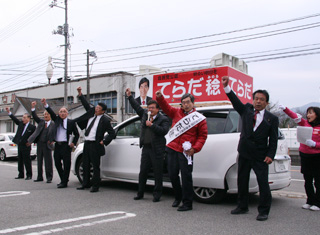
<point>281,166</point>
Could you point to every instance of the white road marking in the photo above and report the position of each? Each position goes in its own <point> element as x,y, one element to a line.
<point>120,215</point>
<point>297,180</point>
<point>8,164</point>
<point>13,193</point>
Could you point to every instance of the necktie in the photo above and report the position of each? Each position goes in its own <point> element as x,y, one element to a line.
<point>46,125</point>
<point>90,126</point>
<point>62,124</point>
<point>151,119</point>
<point>143,102</point>
<point>255,117</point>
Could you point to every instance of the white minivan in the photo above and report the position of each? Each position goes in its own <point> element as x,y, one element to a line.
<point>215,166</point>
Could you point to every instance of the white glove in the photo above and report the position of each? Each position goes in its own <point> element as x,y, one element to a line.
<point>282,107</point>
<point>310,143</point>
<point>298,119</point>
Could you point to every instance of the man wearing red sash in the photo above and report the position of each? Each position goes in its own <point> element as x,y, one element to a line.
<point>177,158</point>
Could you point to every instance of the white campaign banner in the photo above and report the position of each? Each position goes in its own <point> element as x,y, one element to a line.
<point>184,125</point>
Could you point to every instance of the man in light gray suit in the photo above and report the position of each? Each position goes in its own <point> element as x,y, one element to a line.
<point>43,136</point>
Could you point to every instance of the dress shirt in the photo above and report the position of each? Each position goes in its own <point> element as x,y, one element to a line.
<point>145,101</point>
<point>259,119</point>
<point>92,135</point>
<point>25,128</point>
<point>61,135</point>
<point>48,123</point>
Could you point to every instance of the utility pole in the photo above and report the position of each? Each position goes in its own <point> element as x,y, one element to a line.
<point>88,77</point>
<point>92,54</point>
<point>64,31</point>
<point>66,45</point>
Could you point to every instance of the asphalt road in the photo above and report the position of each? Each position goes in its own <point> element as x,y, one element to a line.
<point>41,208</point>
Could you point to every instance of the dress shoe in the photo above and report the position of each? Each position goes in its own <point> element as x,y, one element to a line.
<point>28,178</point>
<point>156,199</point>
<point>184,208</point>
<point>49,181</point>
<point>38,180</point>
<point>138,197</point>
<point>176,203</point>
<point>94,190</point>
<point>82,187</point>
<point>62,186</point>
<point>19,177</point>
<point>239,211</point>
<point>262,217</point>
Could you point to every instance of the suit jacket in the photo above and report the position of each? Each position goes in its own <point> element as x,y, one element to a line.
<point>262,142</point>
<point>18,139</point>
<point>34,138</point>
<point>159,129</point>
<point>71,126</point>
<point>138,99</point>
<point>103,125</point>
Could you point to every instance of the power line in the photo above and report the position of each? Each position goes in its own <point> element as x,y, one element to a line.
<point>217,34</point>
<point>22,21</point>
<point>217,44</point>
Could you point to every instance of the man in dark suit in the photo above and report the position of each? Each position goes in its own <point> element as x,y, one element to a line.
<point>43,136</point>
<point>64,129</point>
<point>96,125</point>
<point>257,148</point>
<point>153,144</point>
<point>143,99</point>
<point>25,129</point>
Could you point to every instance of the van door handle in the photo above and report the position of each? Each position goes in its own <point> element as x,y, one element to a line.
<point>135,144</point>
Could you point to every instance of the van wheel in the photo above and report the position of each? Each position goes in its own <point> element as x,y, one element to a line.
<point>79,169</point>
<point>208,195</point>
<point>3,155</point>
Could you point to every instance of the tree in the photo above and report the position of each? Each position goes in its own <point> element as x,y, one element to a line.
<point>284,120</point>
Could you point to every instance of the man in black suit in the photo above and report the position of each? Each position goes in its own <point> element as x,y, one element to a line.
<point>64,129</point>
<point>154,126</point>
<point>43,136</point>
<point>143,99</point>
<point>257,148</point>
<point>96,125</point>
<point>25,129</point>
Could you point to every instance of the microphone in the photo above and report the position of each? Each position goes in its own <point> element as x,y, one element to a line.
<point>149,113</point>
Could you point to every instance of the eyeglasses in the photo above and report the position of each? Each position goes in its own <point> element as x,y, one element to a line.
<point>186,102</point>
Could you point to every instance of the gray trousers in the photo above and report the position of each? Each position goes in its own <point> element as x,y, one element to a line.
<point>43,152</point>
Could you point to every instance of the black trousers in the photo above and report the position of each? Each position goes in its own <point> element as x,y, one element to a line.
<point>178,162</point>
<point>310,168</point>
<point>44,153</point>
<point>91,155</point>
<point>62,153</point>
<point>24,160</point>
<point>150,159</point>
<point>261,169</point>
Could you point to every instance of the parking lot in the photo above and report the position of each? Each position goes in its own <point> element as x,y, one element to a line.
<point>29,207</point>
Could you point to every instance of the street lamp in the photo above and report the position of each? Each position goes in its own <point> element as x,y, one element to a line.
<point>49,70</point>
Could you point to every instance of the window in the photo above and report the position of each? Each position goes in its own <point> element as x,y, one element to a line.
<point>232,125</point>
<point>222,122</point>
<point>131,130</point>
<point>109,98</point>
<point>70,99</point>
<point>9,126</point>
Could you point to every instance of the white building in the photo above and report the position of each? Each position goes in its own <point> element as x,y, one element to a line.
<point>107,88</point>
